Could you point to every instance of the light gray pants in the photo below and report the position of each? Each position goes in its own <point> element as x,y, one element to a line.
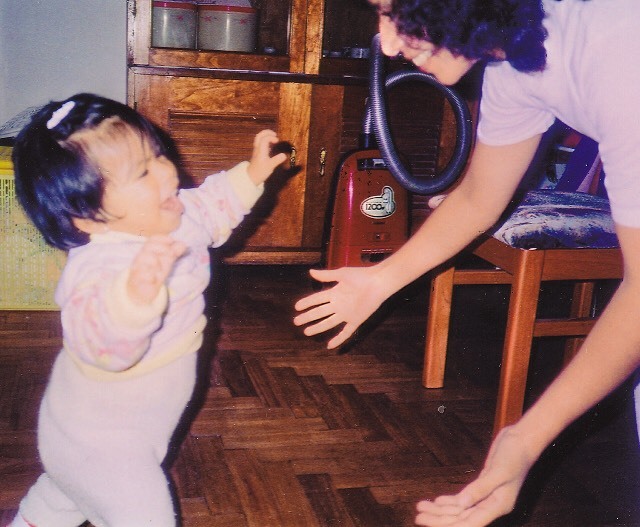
<point>102,445</point>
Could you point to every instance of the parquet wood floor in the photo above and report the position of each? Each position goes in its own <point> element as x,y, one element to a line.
<point>284,433</point>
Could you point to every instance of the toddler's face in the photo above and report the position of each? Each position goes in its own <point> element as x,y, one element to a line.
<point>140,195</point>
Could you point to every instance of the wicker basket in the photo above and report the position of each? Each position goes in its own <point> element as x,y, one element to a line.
<point>29,268</point>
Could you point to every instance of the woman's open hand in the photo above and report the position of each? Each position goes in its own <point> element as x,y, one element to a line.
<point>351,301</point>
<point>491,495</point>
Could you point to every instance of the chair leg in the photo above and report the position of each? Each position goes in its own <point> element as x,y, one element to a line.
<point>523,303</point>
<point>581,306</point>
<point>438,318</point>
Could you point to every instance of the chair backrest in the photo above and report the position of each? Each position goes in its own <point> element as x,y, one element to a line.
<point>583,172</point>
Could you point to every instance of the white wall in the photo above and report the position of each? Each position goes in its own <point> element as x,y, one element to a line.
<point>51,49</point>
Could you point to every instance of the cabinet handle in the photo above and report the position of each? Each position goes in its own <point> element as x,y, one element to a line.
<point>292,157</point>
<point>323,160</point>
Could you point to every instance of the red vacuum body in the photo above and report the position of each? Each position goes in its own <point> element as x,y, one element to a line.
<point>370,218</point>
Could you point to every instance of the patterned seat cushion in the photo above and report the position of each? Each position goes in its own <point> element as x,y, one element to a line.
<point>551,219</point>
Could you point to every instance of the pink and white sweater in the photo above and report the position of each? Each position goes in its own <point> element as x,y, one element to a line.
<point>109,337</point>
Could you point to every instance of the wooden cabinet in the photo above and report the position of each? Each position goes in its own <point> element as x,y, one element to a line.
<point>302,82</point>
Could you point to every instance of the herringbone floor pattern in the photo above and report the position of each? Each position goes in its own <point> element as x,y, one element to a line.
<point>283,433</point>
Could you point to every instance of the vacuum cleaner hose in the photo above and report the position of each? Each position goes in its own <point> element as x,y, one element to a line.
<point>376,119</point>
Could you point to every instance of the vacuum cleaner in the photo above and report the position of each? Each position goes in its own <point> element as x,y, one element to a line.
<point>370,216</point>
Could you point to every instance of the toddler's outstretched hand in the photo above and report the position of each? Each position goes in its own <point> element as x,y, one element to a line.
<point>152,265</point>
<point>261,164</point>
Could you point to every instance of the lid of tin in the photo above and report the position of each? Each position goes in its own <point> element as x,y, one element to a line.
<point>236,3</point>
<point>229,8</point>
<point>226,3</point>
<point>175,4</point>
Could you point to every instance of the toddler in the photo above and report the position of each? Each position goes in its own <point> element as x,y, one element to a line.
<point>97,179</point>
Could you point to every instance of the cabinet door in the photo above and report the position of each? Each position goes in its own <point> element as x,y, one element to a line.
<point>325,138</point>
<point>213,123</point>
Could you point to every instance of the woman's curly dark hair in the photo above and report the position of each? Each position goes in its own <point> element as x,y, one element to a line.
<point>476,29</point>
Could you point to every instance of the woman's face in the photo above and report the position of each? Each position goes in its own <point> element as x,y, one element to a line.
<point>446,67</point>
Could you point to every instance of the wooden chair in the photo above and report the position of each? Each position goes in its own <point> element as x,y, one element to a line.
<point>582,261</point>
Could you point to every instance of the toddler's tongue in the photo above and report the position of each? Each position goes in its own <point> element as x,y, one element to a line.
<point>173,204</point>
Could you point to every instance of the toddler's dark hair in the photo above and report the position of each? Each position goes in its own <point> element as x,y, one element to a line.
<point>476,29</point>
<point>55,176</point>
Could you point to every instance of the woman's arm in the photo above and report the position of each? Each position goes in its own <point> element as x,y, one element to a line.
<point>609,355</point>
<point>474,206</point>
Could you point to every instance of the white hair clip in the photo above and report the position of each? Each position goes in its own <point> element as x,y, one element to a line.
<point>60,114</point>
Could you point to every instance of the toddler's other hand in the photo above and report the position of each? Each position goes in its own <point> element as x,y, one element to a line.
<point>151,267</point>
<point>262,164</point>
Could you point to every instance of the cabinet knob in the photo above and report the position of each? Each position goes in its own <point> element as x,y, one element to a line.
<point>292,158</point>
<point>323,161</point>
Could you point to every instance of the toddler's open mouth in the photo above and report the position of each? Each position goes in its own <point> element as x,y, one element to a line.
<point>173,204</point>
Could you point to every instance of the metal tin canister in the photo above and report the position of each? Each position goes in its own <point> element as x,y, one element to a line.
<point>227,28</point>
<point>174,24</point>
